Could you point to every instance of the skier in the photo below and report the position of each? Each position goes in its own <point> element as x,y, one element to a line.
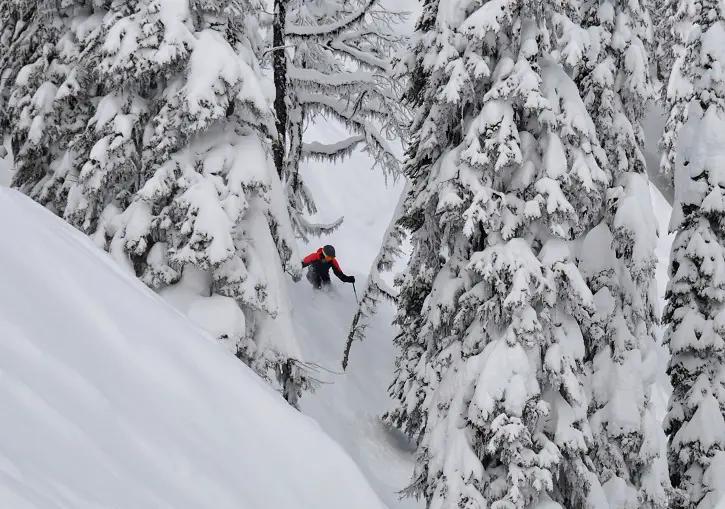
<point>320,263</point>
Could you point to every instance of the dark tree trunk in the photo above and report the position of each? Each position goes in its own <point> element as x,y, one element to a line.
<point>296,140</point>
<point>279,64</point>
<point>297,150</point>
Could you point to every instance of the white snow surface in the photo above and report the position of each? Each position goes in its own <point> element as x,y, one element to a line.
<point>662,210</point>
<point>112,399</point>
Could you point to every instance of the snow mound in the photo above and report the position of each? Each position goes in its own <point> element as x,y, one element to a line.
<point>111,399</point>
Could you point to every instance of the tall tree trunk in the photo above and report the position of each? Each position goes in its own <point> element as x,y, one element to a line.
<point>296,123</point>
<point>279,64</point>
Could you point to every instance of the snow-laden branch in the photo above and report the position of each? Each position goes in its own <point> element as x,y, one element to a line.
<point>326,227</point>
<point>367,105</point>
<point>330,29</point>
<point>331,151</point>
<point>334,80</point>
<point>362,58</point>
<point>300,202</point>
<point>305,228</point>
<point>24,31</point>
<point>390,40</point>
<point>344,115</point>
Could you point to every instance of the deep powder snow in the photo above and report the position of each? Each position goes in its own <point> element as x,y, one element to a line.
<point>112,399</point>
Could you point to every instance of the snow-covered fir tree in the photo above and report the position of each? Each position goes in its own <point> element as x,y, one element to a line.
<point>414,379</point>
<point>618,261</point>
<point>508,178</point>
<point>694,145</point>
<point>331,61</point>
<point>144,124</point>
<point>671,23</point>
<point>37,41</point>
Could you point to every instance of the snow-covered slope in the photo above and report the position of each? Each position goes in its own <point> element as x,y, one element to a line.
<point>349,405</point>
<point>111,399</point>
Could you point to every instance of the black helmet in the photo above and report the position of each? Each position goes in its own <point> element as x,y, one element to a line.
<point>329,251</point>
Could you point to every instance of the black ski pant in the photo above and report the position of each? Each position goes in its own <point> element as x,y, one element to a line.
<point>317,279</point>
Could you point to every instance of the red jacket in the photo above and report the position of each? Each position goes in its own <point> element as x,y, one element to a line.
<point>322,266</point>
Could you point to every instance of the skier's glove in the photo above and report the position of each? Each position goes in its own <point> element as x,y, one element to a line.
<point>351,279</point>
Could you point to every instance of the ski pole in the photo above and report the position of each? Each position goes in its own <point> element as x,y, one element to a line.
<point>354,290</point>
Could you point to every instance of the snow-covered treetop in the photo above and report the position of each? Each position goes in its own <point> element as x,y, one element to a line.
<point>617,79</point>
<point>695,33</point>
<point>553,155</point>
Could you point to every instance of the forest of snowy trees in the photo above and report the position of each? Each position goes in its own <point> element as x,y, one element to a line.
<point>172,133</point>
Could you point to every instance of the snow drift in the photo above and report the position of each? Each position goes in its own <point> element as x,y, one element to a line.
<point>112,399</point>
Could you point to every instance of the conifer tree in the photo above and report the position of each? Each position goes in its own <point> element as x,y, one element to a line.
<point>144,124</point>
<point>37,41</point>
<point>618,260</point>
<point>693,141</point>
<point>507,178</point>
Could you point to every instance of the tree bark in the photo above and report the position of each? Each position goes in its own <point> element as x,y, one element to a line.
<point>279,64</point>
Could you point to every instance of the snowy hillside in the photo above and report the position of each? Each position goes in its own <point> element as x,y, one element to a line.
<point>111,399</point>
<point>349,408</point>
